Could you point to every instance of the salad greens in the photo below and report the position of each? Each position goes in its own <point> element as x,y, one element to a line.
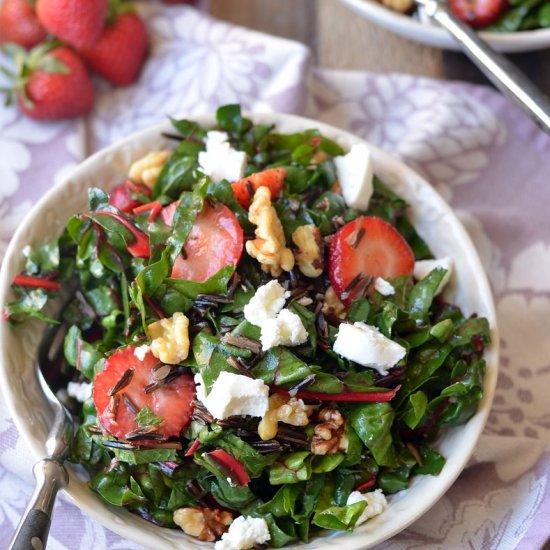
<point>122,262</point>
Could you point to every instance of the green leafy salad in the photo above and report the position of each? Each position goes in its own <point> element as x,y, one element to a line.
<point>258,344</point>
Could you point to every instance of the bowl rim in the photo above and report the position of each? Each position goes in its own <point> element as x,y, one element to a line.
<point>150,536</point>
<point>434,35</point>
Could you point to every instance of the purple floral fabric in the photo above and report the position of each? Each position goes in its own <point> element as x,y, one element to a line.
<point>478,150</point>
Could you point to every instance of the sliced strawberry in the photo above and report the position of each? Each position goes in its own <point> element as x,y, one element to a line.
<point>478,13</point>
<point>168,212</point>
<point>171,401</point>
<point>244,189</point>
<point>121,195</point>
<point>216,240</point>
<point>366,247</point>
<point>236,471</point>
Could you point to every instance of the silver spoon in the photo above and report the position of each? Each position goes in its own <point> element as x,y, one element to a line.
<point>50,473</point>
<point>503,74</point>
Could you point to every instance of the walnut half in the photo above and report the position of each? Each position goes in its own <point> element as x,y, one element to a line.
<point>269,246</point>
<point>170,338</point>
<point>205,524</point>
<point>309,255</point>
<point>146,170</point>
<point>329,435</point>
<point>332,306</point>
<point>283,408</point>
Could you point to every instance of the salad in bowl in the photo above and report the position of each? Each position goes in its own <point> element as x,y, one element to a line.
<point>261,346</point>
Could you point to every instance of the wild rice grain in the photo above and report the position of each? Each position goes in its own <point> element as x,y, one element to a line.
<point>124,380</point>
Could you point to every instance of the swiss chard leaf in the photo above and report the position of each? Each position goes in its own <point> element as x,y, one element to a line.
<point>145,456</point>
<point>146,417</point>
<point>253,461</point>
<point>280,367</point>
<point>85,357</point>
<point>341,518</point>
<point>394,480</point>
<point>291,468</point>
<point>179,173</point>
<point>116,485</point>
<point>372,422</point>
<point>189,207</point>
<point>423,293</point>
<point>308,320</point>
<point>235,498</point>
<point>42,259</point>
<point>432,462</point>
<point>415,409</point>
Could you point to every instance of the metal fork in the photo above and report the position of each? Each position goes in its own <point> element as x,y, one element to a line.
<point>50,473</point>
<point>501,72</point>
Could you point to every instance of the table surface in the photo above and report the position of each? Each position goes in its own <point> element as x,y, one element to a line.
<point>340,39</point>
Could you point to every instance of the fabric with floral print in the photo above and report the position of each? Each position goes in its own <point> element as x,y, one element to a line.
<point>488,160</point>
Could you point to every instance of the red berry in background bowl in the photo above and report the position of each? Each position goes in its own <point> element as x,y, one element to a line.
<point>19,23</point>
<point>478,13</point>
<point>77,22</point>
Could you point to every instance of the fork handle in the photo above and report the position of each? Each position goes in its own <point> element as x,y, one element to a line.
<point>33,529</point>
<point>501,72</point>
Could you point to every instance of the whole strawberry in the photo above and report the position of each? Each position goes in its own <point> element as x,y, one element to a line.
<point>19,23</point>
<point>77,22</point>
<point>53,83</point>
<point>120,52</point>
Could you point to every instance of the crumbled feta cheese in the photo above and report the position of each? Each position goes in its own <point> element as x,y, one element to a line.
<point>376,504</point>
<point>215,139</point>
<point>355,174</point>
<point>81,391</point>
<point>220,161</point>
<point>367,346</point>
<point>286,329</point>
<point>141,351</point>
<point>384,287</point>
<point>244,533</point>
<point>235,394</point>
<point>423,267</point>
<point>266,303</point>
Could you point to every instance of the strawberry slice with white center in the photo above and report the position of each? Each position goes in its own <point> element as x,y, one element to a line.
<point>123,389</point>
<point>363,248</point>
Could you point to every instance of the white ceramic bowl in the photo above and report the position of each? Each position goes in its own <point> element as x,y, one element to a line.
<point>434,221</point>
<point>434,35</point>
